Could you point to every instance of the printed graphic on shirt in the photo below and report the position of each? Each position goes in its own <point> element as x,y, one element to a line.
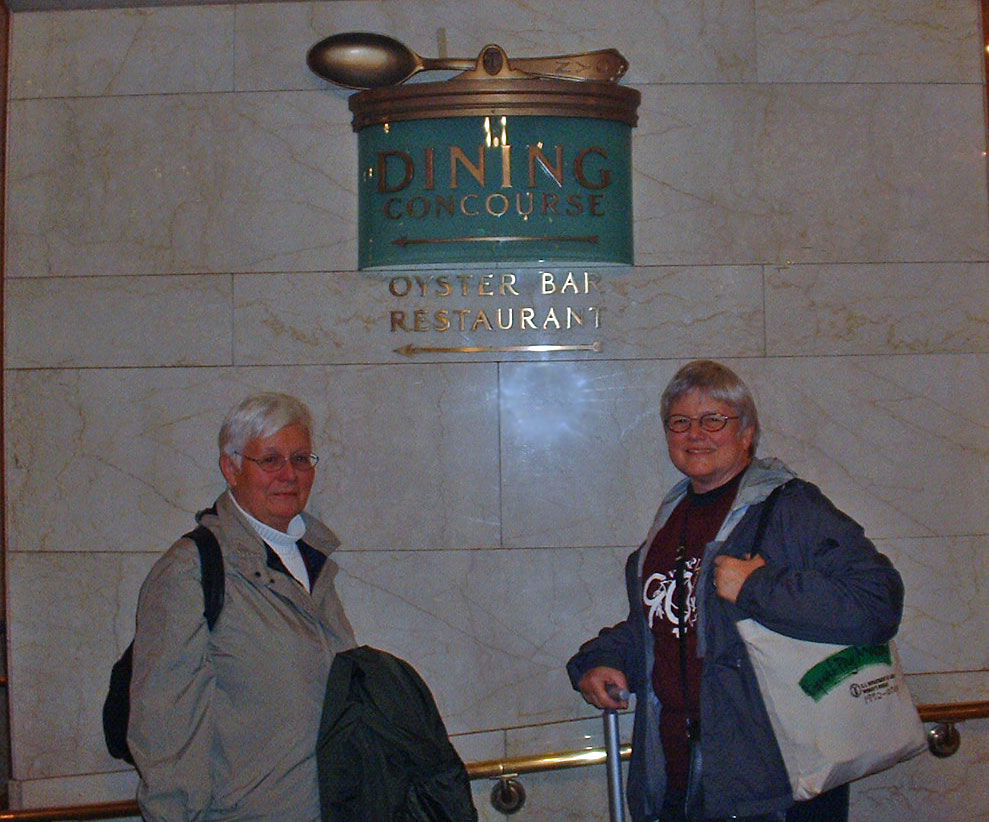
<point>659,597</point>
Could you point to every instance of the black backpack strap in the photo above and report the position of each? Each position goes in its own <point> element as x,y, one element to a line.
<point>212,576</point>
<point>116,706</point>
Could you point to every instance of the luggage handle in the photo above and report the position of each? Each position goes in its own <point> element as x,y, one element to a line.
<point>612,745</point>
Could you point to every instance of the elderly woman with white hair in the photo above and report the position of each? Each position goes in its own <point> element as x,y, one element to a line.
<point>224,720</point>
<point>816,576</point>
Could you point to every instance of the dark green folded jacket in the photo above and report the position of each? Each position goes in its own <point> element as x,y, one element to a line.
<point>383,754</point>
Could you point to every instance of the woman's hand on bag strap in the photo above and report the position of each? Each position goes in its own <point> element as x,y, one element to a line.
<point>730,574</point>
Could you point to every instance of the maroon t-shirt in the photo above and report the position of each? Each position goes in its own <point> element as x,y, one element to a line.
<point>694,523</point>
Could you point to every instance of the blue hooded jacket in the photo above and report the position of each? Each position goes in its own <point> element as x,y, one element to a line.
<point>824,581</point>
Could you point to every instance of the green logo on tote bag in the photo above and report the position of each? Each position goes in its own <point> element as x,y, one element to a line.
<point>828,674</point>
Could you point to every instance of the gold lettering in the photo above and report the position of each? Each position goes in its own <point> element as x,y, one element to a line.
<point>445,203</point>
<point>417,204</point>
<point>506,166</point>
<point>383,157</point>
<point>507,285</point>
<point>463,205</point>
<point>578,169</point>
<point>457,157</point>
<point>389,212</point>
<point>482,319</point>
<point>554,171</point>
<point>504,202</point>
<point>569,284</point>
<point>503,318</point>
<point>431,169</point>
<point>395,283</point>
<point>498,317</point>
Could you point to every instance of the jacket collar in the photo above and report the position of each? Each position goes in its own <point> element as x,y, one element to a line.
<point>229,517</point>
<point>245,550</point>
<point>760,478</point>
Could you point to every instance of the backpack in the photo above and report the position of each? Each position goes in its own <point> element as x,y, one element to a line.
<point>116,707</point>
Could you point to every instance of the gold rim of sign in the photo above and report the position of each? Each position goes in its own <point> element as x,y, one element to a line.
<point>469,98</point>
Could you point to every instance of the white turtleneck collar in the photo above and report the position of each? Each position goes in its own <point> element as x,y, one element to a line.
<point>282,543</point>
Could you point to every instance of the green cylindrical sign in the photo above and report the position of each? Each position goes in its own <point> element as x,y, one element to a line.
<point>510,171</point>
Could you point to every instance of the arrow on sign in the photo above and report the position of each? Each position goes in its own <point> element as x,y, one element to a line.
<point>411,350</point>
<point>404,241</point>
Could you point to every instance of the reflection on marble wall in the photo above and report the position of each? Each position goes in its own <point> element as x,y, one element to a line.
<point>809,205</point>
<point>809,173</point>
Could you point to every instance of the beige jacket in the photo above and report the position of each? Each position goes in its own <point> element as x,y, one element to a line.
<point>223,723</point>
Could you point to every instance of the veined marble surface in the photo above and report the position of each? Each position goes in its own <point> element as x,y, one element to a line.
<point>810,205</point>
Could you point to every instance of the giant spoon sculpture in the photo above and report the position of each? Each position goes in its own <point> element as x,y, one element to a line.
<point>362,60</point>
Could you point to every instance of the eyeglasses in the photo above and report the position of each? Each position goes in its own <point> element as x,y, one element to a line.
<point>680,424</point>
<point>276,462</point>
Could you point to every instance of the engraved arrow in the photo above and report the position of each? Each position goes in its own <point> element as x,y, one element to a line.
<point>404,241</point>
<point>411,350</point>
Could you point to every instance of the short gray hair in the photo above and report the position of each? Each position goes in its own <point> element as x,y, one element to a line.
<point>721,384</point>
<point>260,415</point>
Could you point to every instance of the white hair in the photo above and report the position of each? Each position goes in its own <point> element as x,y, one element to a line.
<point>260,415</point>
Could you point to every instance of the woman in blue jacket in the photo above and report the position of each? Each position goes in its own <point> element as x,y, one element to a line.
<point>817,577</point>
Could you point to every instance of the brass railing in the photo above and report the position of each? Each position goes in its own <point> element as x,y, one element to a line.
<point>538,763</point>
<point>943,715</point>
<point>102,810</point>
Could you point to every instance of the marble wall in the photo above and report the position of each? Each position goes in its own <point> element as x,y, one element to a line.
<point>810,205</point>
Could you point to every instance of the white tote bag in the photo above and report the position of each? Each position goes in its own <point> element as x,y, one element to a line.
<point>838,712</point>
